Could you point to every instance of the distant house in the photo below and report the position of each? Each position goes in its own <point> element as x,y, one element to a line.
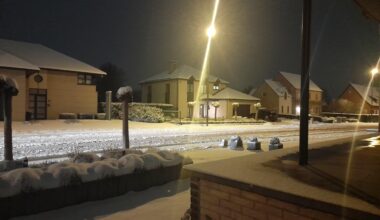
<point>274,97</point>
<point>292,83</point>
<point>50,82</point>
<point>179,86</point>
<point>353,96</point>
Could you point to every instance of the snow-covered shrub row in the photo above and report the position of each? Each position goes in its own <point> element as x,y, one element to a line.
<point>143,113</point>
<point>146,114</point>
<point>84,168</point>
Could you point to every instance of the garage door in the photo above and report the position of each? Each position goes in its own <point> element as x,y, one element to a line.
<point>244,110</point>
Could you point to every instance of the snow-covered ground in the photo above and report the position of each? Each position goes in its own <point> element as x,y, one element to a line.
<point>49,139</point>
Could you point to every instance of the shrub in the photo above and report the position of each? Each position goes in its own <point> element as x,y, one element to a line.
<point>146,114</point>
<point>85,158</point>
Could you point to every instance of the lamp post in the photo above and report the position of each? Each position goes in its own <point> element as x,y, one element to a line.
<point>211,31</point>
<point>374,72</point>
<point>305,80</point>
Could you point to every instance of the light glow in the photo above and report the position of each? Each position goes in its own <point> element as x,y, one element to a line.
<point>375,71</point>
<point>204,71</point>
<point>211,31</point>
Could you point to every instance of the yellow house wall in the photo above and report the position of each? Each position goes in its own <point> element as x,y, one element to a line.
<point>178,93</point>
<point>42,85</point>
<point>268,98</point>
<point>65,95</point>
<point>182,97</point>
<point>19,101</point>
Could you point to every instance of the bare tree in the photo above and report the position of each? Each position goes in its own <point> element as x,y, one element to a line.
<point>124,94</point>
<point>8,89</point>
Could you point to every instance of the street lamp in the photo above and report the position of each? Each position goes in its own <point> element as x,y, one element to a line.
<point>374,72</point>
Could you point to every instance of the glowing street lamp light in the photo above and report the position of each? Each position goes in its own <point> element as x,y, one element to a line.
<point>375,71</point>
<point>211,31</point>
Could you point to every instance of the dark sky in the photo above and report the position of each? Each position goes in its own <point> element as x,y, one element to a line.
<point>255,39</point>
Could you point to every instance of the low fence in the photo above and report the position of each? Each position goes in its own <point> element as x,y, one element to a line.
<point>44,200</point>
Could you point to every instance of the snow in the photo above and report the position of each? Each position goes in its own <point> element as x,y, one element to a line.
<point>46,58</point>
<point>277,87</point>
<point>9,60</point>
<point>295,80</point>
<point>66,173</point>
<point>54,139</point>
<point>123,92</point>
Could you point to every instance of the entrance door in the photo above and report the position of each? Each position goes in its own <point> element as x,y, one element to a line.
<point>243,110</point>
<point>38,103</point>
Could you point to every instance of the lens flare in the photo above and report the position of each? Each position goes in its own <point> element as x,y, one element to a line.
<point>211,31</point>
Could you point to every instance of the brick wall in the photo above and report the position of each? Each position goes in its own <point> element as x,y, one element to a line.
<point>212,201</point>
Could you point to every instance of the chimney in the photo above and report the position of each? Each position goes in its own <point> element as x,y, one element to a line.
<point>172,65</point>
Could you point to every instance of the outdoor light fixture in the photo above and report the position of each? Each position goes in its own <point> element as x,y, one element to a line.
<point>298,110</point>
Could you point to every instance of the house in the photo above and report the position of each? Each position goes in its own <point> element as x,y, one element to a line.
<point>353,96</point>
<point>49,82</point>
<point>274,97</point>
<point>179,86</point>
<point>292,83</point>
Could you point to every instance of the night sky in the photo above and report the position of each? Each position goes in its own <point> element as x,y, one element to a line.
<point>255,38</point>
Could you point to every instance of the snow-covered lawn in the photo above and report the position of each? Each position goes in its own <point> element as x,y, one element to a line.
<point>59,137</point>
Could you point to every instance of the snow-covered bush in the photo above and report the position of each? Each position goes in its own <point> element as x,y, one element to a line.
<point>146,114</point>
<point>113,153</point>
<point>116,109</point>
<point>87,167</point>
<point>65,173</point>
<point>101,169</point>
<point>129,163</point>
<point>85,158</point>
<point>21,180</point>
<point>151,161</point>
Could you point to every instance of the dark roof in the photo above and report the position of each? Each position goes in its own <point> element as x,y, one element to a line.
<point>181,72</point>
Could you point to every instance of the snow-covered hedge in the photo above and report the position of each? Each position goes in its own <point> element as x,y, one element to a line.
<point>143,113</point>
<point>84,168</point>
<point>146,114</point>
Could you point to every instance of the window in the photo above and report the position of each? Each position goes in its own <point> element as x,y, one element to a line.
<point>282,109</point>
<point>149,95</point>
<point>285,95</point>
<point>86,79</point>
<point>264,94</point>
<point>190,90</point>
<point>167,93</point>
<point>316,97</point>
<point>216,86</point>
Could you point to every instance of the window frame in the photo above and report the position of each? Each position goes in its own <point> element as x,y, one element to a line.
<point>86,79</point>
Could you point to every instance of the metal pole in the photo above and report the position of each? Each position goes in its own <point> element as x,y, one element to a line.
<point>207,96</point>
<point>305,79</point>
<point>378,126</point>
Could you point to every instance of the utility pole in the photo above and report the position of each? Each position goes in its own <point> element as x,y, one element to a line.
<point>305,80</point>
